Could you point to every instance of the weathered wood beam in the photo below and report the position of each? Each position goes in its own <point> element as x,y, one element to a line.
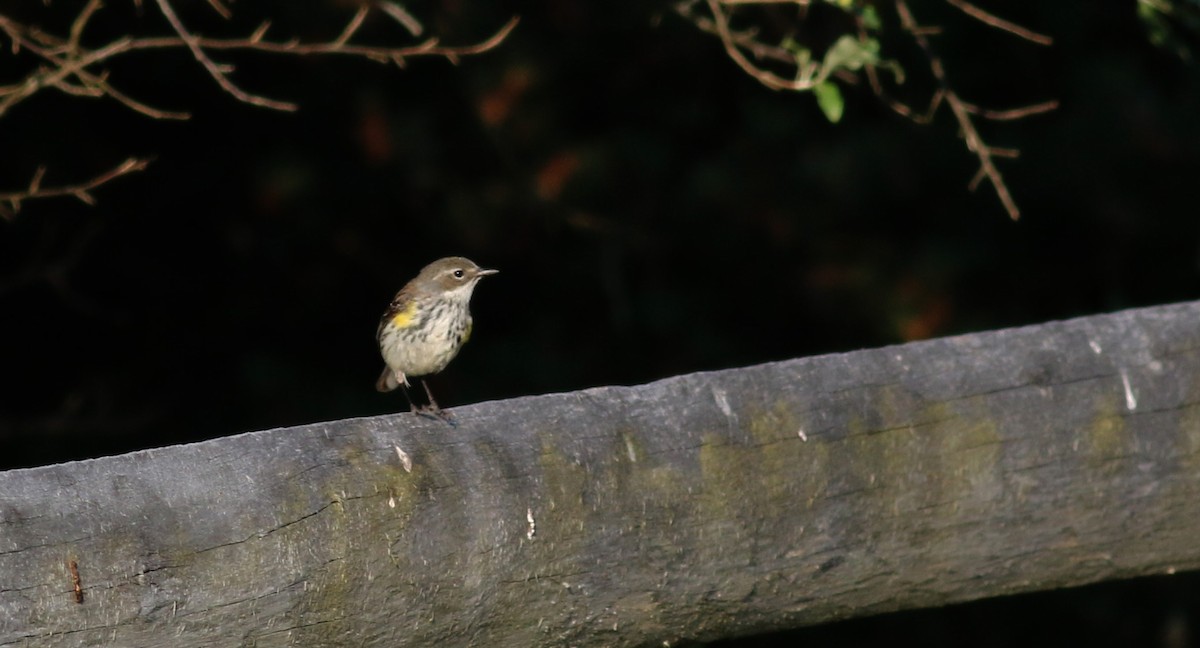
<point>697,507</point>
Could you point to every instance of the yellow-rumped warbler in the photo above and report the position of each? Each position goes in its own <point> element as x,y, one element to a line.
<point>426,324</point>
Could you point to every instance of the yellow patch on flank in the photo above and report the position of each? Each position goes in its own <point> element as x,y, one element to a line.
<point>467,333</point>
<point>405,317</point>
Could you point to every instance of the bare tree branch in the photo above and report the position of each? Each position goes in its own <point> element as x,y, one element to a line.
<point>10,203</point>
<point>975,143</point>
<point>62,68</point>
<point>218,73</point>
<point>69,66</point>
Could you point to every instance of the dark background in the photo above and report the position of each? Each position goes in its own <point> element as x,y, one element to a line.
<point>652,209</point>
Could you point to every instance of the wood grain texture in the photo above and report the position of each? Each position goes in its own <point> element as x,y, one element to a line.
<point>702,506</point>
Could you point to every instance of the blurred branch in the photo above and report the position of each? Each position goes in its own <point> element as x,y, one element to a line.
<point>808,73</point>
<point>963,111</point>
<point>747,39</point>
<point>67,65</point>
<point>999,23</point>
<point>10,203</point>
<point>802,81</point>
<point>397,55</point>
<point>1011,114</point>
<point>851,57</point>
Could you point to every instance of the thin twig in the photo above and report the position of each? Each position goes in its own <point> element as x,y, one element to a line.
<point>221,9</point>
<point>1011,114</point>
<point>10,203</point>
<point>1000,23</point>
<point>80,22</point>
<point>347,33</point>
<point>901,108</point>
<point>134,104</point>
<point>401,15</point>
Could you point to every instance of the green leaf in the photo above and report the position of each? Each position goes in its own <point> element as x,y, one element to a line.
<point>829,98</point>
<point>870,18</point>
<point>851,54</point>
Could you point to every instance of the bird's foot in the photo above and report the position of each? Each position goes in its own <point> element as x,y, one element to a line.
<point>435,412</point>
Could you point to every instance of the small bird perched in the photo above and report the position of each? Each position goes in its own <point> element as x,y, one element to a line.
<point>426,324</point>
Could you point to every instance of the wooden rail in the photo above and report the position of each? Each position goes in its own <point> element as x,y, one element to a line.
<point>697,507</point>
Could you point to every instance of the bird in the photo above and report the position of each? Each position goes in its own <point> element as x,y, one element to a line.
<point>425,326</point>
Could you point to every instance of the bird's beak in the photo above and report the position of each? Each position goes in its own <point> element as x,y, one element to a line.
<point>484,273</point>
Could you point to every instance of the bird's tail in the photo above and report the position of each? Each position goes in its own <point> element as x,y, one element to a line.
<point>387,380</point>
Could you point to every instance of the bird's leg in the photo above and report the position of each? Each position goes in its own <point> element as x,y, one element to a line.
<point>433,410</point>
<point>432,403</point>
<point>408,397</point>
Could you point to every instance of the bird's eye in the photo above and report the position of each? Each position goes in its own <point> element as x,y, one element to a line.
<point>458,274</point>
